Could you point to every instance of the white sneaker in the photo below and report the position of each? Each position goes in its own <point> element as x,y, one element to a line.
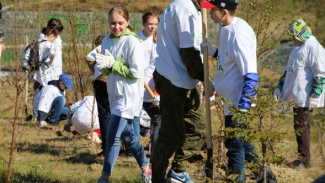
<point>43,124</point>
<point>34,120</point>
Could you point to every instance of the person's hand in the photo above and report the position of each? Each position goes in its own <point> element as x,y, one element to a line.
<point>211,50</point>
<point>277,94</point>
<point>105,61</point>
<point>211,88</point>
<point>155,101</point>
<point>67,127</point>
<point>312,103</point>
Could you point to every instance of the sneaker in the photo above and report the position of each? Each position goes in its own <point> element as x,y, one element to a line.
<point>178,177</point>
<point>43,124</point>
<point>146,176</point>
<point>102,180</point>
<point>297,163</point>
<point>102,153</point>
<point>34,120</point>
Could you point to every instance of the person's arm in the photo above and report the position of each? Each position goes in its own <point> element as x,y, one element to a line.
<point>188,28</point>
<point>122,70</point>
<point>250,84</point>
<point>91,64</point>
<point>245,56</point>
<point>315,61</point>
<point>281,80</point>
<point>91,59</point>
<point>192,59</point>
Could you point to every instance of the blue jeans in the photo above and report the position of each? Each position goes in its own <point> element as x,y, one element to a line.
<point>58,111</point>
<point>119,127</point>
<point>238,151</point>
<point>136,126</point>
<point>37,88</point>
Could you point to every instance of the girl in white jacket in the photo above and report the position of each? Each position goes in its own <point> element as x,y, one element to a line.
<point>121,61</point>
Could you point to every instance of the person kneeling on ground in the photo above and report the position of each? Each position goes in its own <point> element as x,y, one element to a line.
<point>51,101</point>
<point>80,117</point>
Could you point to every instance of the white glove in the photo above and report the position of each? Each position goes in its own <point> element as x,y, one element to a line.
<point>105,61</point>
<point>67,127</point>
<point>211,50</point>
<point>211,88</point>
<point>312,103</point>
<point>155,101</point>
<point>277,94</point>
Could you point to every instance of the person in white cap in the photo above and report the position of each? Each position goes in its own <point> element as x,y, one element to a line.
<point>303,81</point>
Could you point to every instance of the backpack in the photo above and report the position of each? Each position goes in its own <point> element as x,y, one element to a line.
<point>30,58</point>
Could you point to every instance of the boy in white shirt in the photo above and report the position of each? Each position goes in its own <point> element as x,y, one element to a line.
<point>303,81</point>
<point>235,77</point>
<point>51,101</point>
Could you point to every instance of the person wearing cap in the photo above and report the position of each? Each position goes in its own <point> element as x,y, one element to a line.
<point>51,101</point>
<point>303,81</point>
<point>178,70</point>
<point>235,77</point>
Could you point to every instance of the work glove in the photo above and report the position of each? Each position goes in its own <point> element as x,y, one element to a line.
<point>67,127</point>
<point>155,101</point>
<point>211,50</point>
<point>211,88</point>
<point>312,103</point>
<point>277,94</point>
<point>104,61</point>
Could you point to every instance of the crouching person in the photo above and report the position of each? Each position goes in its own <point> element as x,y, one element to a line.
<point>80,117</point>
<point>51,101</point>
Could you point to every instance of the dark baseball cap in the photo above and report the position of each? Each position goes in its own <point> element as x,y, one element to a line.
<point>222,4</point>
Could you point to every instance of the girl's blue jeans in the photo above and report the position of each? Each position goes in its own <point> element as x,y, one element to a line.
<point>119,127</point>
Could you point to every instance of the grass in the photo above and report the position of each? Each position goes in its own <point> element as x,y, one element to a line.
<point>51,155</point>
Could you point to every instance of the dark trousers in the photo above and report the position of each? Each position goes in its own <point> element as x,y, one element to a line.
<point>182,129</point>
<point>154,113</point>
<point>104,112</point>
<point>301,125</point>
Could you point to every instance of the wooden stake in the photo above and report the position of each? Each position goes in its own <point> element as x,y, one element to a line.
<point>209,163</point>
<point>152,95</point>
